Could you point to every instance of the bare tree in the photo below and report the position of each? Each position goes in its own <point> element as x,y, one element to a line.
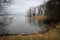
<point>34,11</point>
<point>4,17</point>
<point>37,10</point>
<point>29,12</point>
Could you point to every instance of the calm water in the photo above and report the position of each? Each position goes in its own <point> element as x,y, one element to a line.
<point>23,25</point>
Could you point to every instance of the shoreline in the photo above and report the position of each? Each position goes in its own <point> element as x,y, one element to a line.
<point>51,35</point>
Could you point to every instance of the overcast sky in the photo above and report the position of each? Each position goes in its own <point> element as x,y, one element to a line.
<point>21,6</point>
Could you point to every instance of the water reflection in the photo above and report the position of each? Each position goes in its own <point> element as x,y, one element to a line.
<point>5,20</point>
<point>40,23</point>
<point>35,22</point>
<point>20,26</point>
<point>3,31</point>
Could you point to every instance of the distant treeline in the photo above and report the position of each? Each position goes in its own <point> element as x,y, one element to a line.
<point>51,9</point>
<point>37,10</point>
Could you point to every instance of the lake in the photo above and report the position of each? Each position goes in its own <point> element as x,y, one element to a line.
<point>23,25</point>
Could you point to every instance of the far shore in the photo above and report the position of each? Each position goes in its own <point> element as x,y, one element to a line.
<point>39,17</point>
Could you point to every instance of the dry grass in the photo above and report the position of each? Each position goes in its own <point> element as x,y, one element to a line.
<point>39,17</point>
